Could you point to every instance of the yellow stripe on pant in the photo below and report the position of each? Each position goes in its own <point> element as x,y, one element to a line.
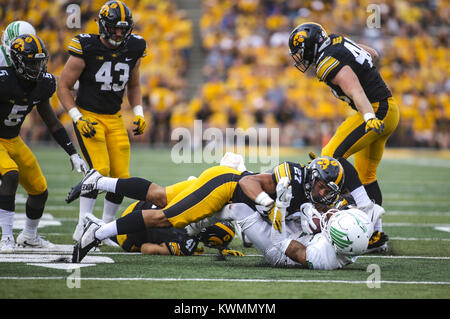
<point>351,139</point>
<point>202,196</point>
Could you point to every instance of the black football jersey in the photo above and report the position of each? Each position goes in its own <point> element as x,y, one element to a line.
<point>102,82</point>
<point>187,244</point>
<point>16,102</point>
<point>295,173</point>
<point>342,51</point>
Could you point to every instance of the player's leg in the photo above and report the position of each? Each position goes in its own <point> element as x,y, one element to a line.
<point>34,183</point>
<point>10,180</point>
<point>118,146</point>
<point>95,153</point>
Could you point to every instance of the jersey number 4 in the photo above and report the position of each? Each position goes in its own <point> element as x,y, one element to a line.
<point>104,76</point>
<point>359,53</point>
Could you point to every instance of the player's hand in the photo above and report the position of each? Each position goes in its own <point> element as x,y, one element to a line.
<point>307,213</point>
<point>78,163</point>
<point>375,124</point>
<point>232,252</point>
<point>284,193</point>
<point>85,125</point>
<point>140,123</point>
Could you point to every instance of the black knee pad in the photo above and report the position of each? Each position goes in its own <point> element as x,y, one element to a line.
<point>10,181</point>
<point>7,202</point>
<point>374,192</point>
<point>34,208</point>
<point>351,181</point>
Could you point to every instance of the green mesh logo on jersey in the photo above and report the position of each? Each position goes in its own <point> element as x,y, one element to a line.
<point>338,238</point>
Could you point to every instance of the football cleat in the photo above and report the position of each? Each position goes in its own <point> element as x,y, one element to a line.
<point>377,242</point>
<point>87,240</point>
<point>33,242</point>
<point>7,245</point>
<point>87,185</point>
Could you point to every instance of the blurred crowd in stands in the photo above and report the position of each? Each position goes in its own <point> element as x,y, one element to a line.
<point>248,76</point>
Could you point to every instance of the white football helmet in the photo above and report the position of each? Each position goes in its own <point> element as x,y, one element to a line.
<point>13,30</point>
<point>349,231</point>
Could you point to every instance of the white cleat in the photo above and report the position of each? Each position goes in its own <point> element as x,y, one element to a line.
<point>78,232</point>
<point>33,242</point>
<point>7,245</point>
<point>88,239</point>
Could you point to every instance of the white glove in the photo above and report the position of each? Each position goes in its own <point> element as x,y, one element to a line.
<point>233,160</point>
<point>307,212</point>
<point>78,163</point>
<point>284,193</point>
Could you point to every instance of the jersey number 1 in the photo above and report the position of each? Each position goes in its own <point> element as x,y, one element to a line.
<point>104,76</point>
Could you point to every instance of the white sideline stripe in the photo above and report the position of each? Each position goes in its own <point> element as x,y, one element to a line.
<point>237,280</point>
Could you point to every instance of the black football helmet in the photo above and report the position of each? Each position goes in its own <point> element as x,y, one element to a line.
<point>218,235</point>
<point>305,43</point>
<point>331,173</point>
<point>114,15</point>
<point>29,56</point>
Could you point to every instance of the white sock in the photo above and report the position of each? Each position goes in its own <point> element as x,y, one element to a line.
<point>6,223</point>
<point>86,206</point>
<point>378,226</point>
<point>109,211</point>
<point>31,226</point>
<point>106,231</point>
<point>107,184</point>
<point>360,196</point>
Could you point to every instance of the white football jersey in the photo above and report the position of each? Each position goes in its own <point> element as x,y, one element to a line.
<point>3,60</point>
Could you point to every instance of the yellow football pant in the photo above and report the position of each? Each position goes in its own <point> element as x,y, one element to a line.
<point>190,201</point>
<point>121,238</point>
<point>16,156</point>
<point>350,138</point>
<point>109,150</point>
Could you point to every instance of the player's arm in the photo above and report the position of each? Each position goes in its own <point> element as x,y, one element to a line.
<point>60,135</point>
<point>134,95</point>
<point>297,252</point>
<point>371,51</point>
<point>347,80</point>
<point>69,75</point>
<point>258,187</point>
<point>154,249</point>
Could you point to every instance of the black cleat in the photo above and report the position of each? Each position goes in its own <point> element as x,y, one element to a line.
<point>86,242</point>
<point>86,186</point>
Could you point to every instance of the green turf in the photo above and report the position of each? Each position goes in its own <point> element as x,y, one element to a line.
<point>416,193</point>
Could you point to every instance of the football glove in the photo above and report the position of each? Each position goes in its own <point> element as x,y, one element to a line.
<point>307,213</point>
<point>140,123</point>
<point>276,218</point>
<point>375,124</point>
<point>78,163</point>
<point>85,125</point>
<point>284,193</point>
<point>232,252</point>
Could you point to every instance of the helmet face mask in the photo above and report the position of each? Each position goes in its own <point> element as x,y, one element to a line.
<point>29,57</point>
<point>324,180</point>
<point>114,16</point>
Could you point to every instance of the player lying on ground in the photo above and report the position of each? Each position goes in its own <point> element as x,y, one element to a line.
<point>173,241</point>
<point>190,201</point>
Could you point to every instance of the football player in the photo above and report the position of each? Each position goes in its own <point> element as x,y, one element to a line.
<point>173,241</point>
<point>24,86</point>
<point>196,201</point>
<point>104,65</point>
<point>13,30</point>
<point>348,69</point>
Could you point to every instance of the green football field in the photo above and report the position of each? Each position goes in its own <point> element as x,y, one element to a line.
<point>416,188</point>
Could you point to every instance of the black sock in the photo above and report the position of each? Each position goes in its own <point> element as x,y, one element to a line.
<point>134,187</point>
<point>131,223</point>
<point>374,192</point>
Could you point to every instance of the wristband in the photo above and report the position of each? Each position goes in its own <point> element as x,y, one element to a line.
<point>75,114</point>
<point>263,199</point>
<point>369,116</point>
<point>138,110</point>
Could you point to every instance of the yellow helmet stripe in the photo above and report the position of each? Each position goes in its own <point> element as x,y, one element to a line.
<point>228,230</point>
<point>339,178</point>
<point>38,43</point>
<point>122,10</point>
